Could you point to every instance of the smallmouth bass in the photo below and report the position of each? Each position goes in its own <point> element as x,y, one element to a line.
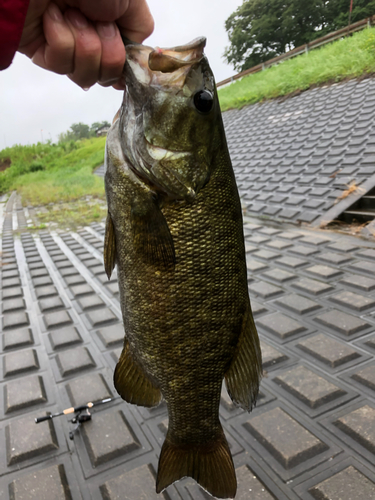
<point>174,229</point>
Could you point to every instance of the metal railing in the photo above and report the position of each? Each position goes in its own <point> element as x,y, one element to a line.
<point>360,25</point>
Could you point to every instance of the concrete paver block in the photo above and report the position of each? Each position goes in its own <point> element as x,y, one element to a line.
<point>265,290</point>
<point>43,281</point>
<point>11,293</point>
<point>361,282</point>
<point>45,291</point>
<point>328,350</point>
<point>360,425</point>
<point>292,262</point>
<point>17,338</point>
<point>57,319</point>
<point>138,483</point>
<point>44,484</point>
<point>308,387</point>
<point>108,436</point>
<point>112,335</point>
<point>312,287</point>
<point>363,266</point>
<point>76,279</point>
<point>26,440</point>
<point>285,438</point>
<point>323,272</point>
<point>74,361</point>
<point>64,337</point>
<point>24,392</point>
<point>15,320</point>
<point>39,273</point>
<point>92,387</point>
<point>346,485</point>
<point>80,290</point>
<point>249,486</point>
<point>15,304</point>
<point>20,362</point>
<point>90,302</point>
<point>366,377</point>
<point>280,325</point>
<point>353,300</point>
<point>10,283</point>
<point>342,322</point>
<point>271,356</point>
<point>101,317</point>
<point>298,304</point>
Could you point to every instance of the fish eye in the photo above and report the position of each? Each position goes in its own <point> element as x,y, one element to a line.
<point>203,101</point>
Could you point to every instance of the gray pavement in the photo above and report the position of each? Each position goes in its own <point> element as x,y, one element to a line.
<point>312,434</point>
<point>294,157</point>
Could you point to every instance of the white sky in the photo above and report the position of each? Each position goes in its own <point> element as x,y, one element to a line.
<point>36,104</point>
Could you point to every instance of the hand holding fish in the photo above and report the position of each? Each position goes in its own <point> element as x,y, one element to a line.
<point>81,38</point>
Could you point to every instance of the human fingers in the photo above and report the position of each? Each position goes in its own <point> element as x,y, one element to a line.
<point>101,10</point>
<point>112,55</point>
<point>56,51</point>
<point>137,22</point>
<point>88,48</point>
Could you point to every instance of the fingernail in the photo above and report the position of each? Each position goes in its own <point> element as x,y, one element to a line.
<point>86,89</point>
<point>55,13</point>
<point>77,19</point>
<point>106,30</point>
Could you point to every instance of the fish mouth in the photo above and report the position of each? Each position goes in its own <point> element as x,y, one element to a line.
<point>164,67</point>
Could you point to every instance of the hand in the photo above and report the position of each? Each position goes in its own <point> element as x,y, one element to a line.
<point>81,38</point>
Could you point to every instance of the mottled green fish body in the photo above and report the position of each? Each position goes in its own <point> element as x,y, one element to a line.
<point>174,229</point>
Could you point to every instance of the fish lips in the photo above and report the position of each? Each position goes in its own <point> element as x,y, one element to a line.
<point>164,67</point>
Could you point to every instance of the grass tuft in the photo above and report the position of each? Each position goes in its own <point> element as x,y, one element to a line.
<point>349,57</point>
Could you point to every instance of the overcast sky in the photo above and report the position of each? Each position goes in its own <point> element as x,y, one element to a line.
<point>37,105</point>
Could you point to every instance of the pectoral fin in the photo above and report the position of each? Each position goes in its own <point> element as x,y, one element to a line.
<point>152,238</point>
<point>244,374</point>
<point>109,247</point>
<point>132,383</point>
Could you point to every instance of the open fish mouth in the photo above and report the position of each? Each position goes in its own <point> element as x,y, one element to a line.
<point>164,67</point>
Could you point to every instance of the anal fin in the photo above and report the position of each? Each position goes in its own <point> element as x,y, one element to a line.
<point>132,383</point>
<point>243,376</point>
<point>210,464</point>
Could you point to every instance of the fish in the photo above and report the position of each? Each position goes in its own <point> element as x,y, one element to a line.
<point>174,230</point>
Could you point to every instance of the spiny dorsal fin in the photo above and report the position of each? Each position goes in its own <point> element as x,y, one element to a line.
<point>244,374</point>
<point>210,464</point>
<point>132,383</point>
<point>109,247</point>
<point>152,238</point>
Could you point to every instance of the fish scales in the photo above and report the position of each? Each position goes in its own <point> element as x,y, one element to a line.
<point>188,320</point>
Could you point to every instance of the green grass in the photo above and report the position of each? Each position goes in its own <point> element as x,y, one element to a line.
<point>50,173</point>
<point>350,57</point>
<point>73,214</point>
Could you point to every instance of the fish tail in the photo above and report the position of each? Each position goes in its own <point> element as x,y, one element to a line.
<point>210,464</point>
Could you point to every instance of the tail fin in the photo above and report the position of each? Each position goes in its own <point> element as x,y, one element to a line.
<point>210,464</point>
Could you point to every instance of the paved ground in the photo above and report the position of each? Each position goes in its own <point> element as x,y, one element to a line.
<point>294,157</point>
<point>312,434</point>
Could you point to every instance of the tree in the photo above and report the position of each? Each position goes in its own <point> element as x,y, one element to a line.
<point>97,125</point>
<point>80,130</point>
<point>261,29</point>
